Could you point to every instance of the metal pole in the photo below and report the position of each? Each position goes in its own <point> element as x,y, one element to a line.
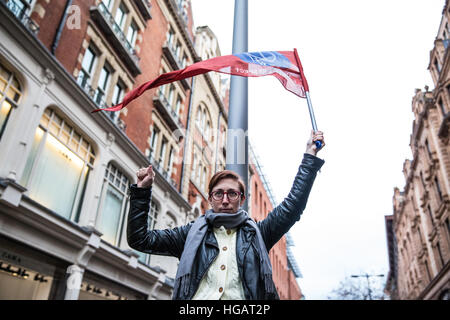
<point>311,112</point>
<point>237,137</point>
<point>308,98</point>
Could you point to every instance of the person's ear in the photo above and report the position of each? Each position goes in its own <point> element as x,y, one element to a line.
<point>243,198</point>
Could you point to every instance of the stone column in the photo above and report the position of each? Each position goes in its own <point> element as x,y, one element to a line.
<point>73,283</point>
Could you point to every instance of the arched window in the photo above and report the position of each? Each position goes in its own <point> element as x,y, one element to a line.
<point>203,121</point>
<point>113,204</point>
<point>10,94</point>
<point>58,166</point>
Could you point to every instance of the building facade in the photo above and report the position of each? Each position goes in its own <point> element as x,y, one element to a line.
<point>64,172</point>
<point>419,230</point>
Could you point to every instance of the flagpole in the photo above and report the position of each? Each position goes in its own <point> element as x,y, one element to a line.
<point>308,97</point>
<point>237,137</point>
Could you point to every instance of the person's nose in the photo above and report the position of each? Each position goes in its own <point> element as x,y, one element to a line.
<point>225,198</point>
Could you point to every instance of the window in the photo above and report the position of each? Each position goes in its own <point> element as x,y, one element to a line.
<point>171,93</point>
<point>170,37</point>
<point>438,247</point>
<point>203,122</point>
<point>438,188</point>
<point>427,145</point>
<point>118,93</point>
<point>170,162</point>
<point>178,50</point>
<point>58,167</point>
<point>103,82</point>
<point>441,106</point>
<point>430,213</point>
<point>154,141</point>
<point>178,106</point>
<point>132,34</point>
<point>113,205</point>
<point>121,16</point>
<point>162,152</point>
<point>422,179</point>
<point>87,68</point>
<point>428,271</point>
<point>437,66</point>
<point>420,236</point>
<point>194,165</point>
<point>10,94</point>
<point>108,4</point>
<point>203,182</point>
<point>208,131</point>
<point>184,61</point>
<point>19,7</point>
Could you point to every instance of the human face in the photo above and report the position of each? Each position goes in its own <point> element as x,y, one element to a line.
<point>226,205</point>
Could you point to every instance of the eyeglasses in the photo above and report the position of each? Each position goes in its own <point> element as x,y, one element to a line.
<point>232,195</point>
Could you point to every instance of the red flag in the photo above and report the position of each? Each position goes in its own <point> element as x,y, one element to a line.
<point>284,65</point>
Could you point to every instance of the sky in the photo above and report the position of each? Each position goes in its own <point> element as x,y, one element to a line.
<point>363,61</point>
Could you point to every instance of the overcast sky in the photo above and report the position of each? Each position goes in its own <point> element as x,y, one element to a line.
<point>363,61</point>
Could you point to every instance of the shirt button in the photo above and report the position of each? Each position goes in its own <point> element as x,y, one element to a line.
<point>220,289</point>
<point>228,231</point>
<point>224,248</point>
<point>222,267</point>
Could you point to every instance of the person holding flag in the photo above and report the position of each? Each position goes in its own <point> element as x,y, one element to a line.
<point>224,252</point>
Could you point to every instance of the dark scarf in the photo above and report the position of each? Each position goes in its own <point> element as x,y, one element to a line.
<point>198,232</point>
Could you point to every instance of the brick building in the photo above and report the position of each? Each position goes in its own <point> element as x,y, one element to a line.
<point>64,172</point>
<point>418,232</point>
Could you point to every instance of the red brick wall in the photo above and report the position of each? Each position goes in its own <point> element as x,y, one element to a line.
<point>139,116</point>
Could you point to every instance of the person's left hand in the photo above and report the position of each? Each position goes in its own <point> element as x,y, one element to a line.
<point>311,147</point>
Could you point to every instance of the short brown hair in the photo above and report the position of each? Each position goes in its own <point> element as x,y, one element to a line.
<point>219,176</point>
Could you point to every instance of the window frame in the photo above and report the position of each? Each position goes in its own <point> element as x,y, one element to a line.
<point>125,201</point>
<point>4,98</point>
<point>88,74</point>
<point>89,158</point>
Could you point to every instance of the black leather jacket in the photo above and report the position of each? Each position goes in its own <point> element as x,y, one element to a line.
<point>171,241</point>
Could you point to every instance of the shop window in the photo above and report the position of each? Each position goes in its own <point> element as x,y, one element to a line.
<point>25,273</point>
<point>58,166</point>
<point>10,94</point>
<point>113,205</point>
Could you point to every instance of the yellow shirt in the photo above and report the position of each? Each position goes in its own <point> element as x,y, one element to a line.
<point>222,281</point>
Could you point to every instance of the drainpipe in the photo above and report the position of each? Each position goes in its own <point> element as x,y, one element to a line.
<point>61,27</point>
<point>187,134</point>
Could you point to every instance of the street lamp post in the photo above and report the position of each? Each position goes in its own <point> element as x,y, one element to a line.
<point>367,276</point>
